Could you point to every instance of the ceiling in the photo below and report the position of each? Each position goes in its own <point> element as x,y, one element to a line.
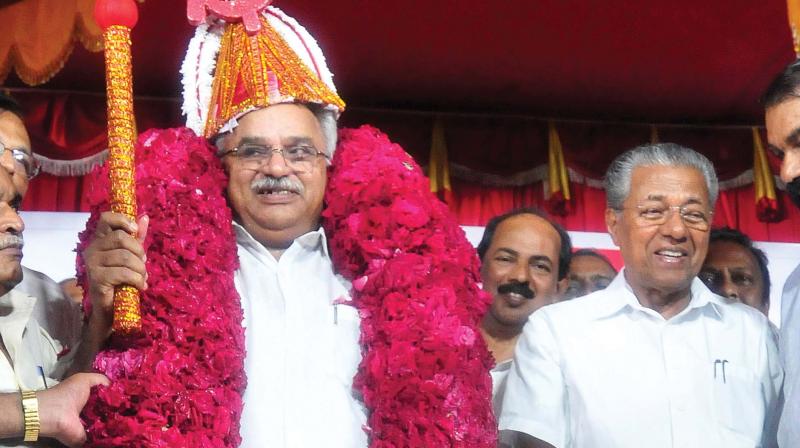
<point>684,61</point>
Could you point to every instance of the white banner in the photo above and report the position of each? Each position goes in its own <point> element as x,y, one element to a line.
<point>51,238</point>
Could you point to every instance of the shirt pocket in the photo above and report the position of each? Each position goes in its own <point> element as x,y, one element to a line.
<point>346,346</point>
<point>739,406</point>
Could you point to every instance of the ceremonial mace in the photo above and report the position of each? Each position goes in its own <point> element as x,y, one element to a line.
<point>116,18</point>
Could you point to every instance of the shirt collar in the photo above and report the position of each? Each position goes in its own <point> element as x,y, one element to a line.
<point>311,241</point>
<point>621,298</point>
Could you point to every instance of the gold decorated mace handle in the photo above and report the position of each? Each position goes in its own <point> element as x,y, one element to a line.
<point>116,18</point>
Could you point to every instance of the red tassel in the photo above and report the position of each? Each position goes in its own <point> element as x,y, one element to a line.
<point>557,205</point>
<point>768,210</point>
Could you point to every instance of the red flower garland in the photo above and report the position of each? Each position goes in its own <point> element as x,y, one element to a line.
<point>425,372</point>
<point>424,376</point>
<point>179,382</point>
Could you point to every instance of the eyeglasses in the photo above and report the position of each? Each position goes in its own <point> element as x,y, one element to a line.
<point>657,214</point>
<point>253,156</point>
<point>23,160</point>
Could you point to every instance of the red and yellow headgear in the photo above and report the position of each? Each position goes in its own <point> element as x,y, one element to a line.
<point>244,59</point>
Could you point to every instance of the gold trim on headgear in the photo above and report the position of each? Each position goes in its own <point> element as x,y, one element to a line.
<point>258,71</point>
<point>230,70</point>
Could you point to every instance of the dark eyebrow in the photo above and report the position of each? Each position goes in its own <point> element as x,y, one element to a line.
<point>600,276</point>
<point>793,139</point>
<point>541,258</point>
<point>507,250</point>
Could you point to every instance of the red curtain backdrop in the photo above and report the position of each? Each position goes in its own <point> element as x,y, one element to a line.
<point>67,126</point>
<point>476,205</point>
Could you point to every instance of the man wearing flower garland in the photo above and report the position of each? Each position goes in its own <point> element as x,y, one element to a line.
<point>276,132</point>
<point>652,359</point>
<point>524,259</point>
<point>782,104</point>
<point>32,403</point>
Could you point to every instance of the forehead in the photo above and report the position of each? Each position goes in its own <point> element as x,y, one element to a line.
<point>12,131</point>
<point>729,254</point>
<point>527,235</point>
<point>589,264</point>
<point>673,184</point>
<point>279,122</point>
<point>782,120</point>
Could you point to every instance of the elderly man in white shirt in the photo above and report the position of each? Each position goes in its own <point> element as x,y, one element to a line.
<point>656,359</point>
<point>782,105</point>
<point>301,337</point>
<point>32,402</point>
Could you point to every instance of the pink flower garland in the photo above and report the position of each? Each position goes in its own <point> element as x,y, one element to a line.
<point>425,372</point>
<point>178,383</point>
<point>424,376</point>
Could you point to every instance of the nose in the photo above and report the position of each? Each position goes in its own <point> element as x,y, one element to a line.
<point>521,272</point>
<point>729,289</point>
<point>674,227</point>
<point>10,221</point>
<point>790,166</point>
<point>276,165</point>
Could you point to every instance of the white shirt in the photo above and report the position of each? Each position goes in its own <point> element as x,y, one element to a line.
<point>789,431</point>
<point>302,349</point>
<point>499,376</point>
<point>29,347</point>
<point>55,312</point>
<point>604,371</point>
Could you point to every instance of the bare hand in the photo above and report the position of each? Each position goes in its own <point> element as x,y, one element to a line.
<point>114,258</point>
<point>61,405</point>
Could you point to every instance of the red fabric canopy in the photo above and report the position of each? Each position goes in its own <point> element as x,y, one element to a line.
<point>676,61</point>
<point>509,65</point>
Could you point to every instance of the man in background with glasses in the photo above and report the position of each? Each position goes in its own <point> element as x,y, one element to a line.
<point>656,359</point>
<point>33,403</point>
<point>54,311</point>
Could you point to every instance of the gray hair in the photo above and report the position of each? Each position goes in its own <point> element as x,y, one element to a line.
<point>617,181</point>
<point>327,122</point>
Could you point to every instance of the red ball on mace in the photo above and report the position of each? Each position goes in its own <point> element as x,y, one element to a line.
<point>108,13</point>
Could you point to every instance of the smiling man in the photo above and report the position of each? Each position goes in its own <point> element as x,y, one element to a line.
<point>648,361</point>
<point>524,258</point>
<point>275,133</point>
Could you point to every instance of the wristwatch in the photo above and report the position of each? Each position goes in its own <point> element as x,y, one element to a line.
<point>30,410</point>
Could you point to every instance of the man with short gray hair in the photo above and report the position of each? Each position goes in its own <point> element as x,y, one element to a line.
<point>655,359</point>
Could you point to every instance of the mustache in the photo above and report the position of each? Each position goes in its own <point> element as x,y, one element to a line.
<point>520,288</point>
<point>7,241</point>
<point>793,188</point>
<point>284,183</point>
